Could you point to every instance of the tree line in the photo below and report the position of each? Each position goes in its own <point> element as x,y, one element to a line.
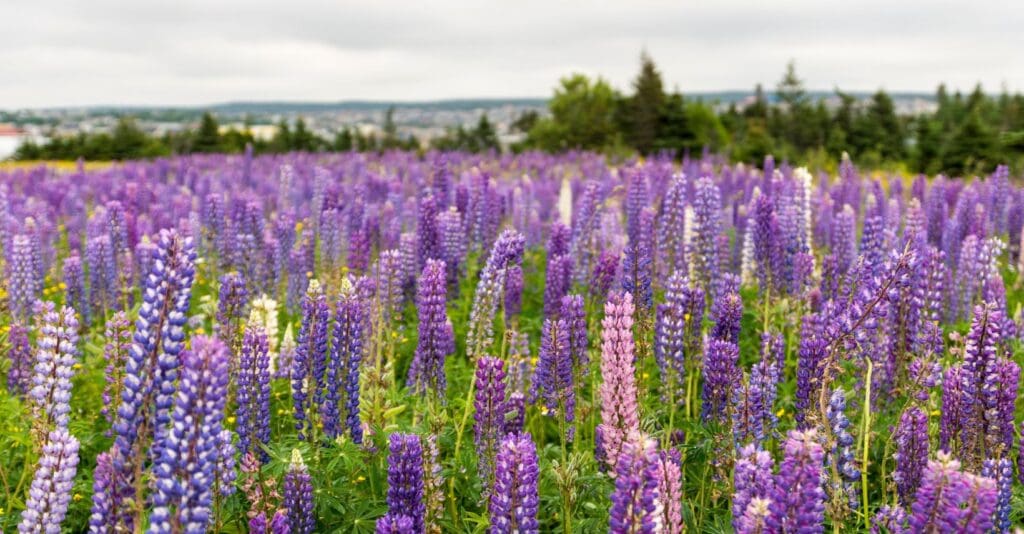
<point>965,134</point>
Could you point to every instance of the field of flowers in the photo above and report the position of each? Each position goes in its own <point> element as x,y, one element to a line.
<point>531,343</point>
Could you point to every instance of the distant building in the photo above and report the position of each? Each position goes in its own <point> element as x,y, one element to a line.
<point>11,137</point>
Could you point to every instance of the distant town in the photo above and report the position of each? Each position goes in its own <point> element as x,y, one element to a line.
<point>423,120</point>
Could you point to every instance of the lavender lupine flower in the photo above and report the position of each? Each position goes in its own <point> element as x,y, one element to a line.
<point>669,345</point>
<point>670,491</point>
<point>388,275</point>
<point>638,264</point>
<point>433,486</point>
<point>553,379</point>
<point>55,358</point>
<point>949,500</point>
<point>767,244</point>
<point>636,200</point>
<point>116,352</point>
<point>436,340</point>
<point>489,416</point>
<point>619,410</point>
<point>310,364</point>
<point>50,493</point>
<point>298,496</point>
<point>102,274</point>
<point>107,514</point>
<point>427,236</point>
<point>342,377</point>
<point>75,295</point>
<point>513,292</point>
<point>185,472</point>
<point>23,282</point>
<point>953,407</point>
<point>405,478</point>
<point>752,479</point>
<point>707,206</point>
<point>844,239</point>
<point>19,374</point>
<point>603,275</point>
<point>507,251</point>
<point>410,263</point>
<point>224,469</point>
<point>558,278</point>
<point>515,499</point>
<point>394,524</point>
<point>152,368</point>
<point>635,498</point>
<point>230,303</point>
<point>720,372</point>
<point>359,246</point>
<point>891,520</point>
<point>810,358</point>
<point>573,313</point>
<point>726,312</point>
<point>981,426</point>
<point>559,239</point>
<point>1001,471</point>
<point>798,501</point>
<point>911,452</point>
<point>671,226</point>
<point>453,246</point>
<point>843,450</point>
<point>253,394</point>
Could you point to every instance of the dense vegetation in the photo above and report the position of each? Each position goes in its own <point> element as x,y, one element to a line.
<point>459,343</point>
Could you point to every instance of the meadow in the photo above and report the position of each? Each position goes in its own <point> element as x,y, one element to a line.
<point>450,342</point>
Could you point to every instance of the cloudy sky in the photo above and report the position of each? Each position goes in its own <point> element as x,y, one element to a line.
<point>194,52</point>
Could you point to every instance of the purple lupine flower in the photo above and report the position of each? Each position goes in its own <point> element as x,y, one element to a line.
<point>102,274</point>
<point>185,472</point>
<point>513,291</point>
<point>409,249</point>
<point>1001,471</point>
<point>752,479</point>
<point>116,352</point>
<point>768,247</point>
<point>436,340</point>
<point>230,310</point>
<point>810,358</point>
<point>798,500</point>
<point>842,450</point>
<point>108,514</point>
<point>557,282</point>
<point>554,380</point>
<point>707,207</point>
<point>949,500</point>
<point>55,358</point>
<point>507,251</point>
<point>603,276</point>
<point>24,284</point>
<point>75,295</point>
<point>310,364</point>
<point>253,394</point>
<point>891,520</point>
<point>394,524</point>
<point>405,478</point>
<point>669,341</point>
<point>433,486</point>
<point>559,240</point>
<point>453,246</point>
<point>427,236</point>
<point>620,414</point>
<point>298,496</point>
<point>19,374</point>
<point>635,498</point>
<point>671,228</point>
<point>224,468</point>
<point>953,407</point>
<point>720,372</point>
<point>489,416</point>
<point>638,264</point>
<point>515,413</point>
<point>573,313</point>
<point>911,452</point>
<point>515,499</point>
<point>636,200</point>
<point>389,284</point>
<point>50,493</point>
<point>980,426</point>
<point>359,246</point>
<point>346,355</point>
<point>727,312</point>
<point>670,491</point>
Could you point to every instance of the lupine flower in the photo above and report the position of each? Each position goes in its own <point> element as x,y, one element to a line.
<point>507,251</point>
<point>670,492</point>
<point>810,358</point>
<point>224,469</point>
<point>108,514</point>
<point>638,264</point>
<point>50,493</point>
<point>798,501</point>
<point>720,373</point>
<point>310,365</point>
<point>453,246</point>
<point>19,374</point>
<point>755,518</point>
<point>842,450</point>
<point>981,425</point>
<point>405,478</point>
<point>253,395</point>
<point>1001,471</point>
<point>102,274</point>
<point>55,359</point>
<point>232,298</point>
<point>953,407</point>
<point>891,520</point>
<point>298,496</point>
<point>394,524</point>
<point>603,276</point>
<point>671,227</point>
<point>152,367</point>
<point>75,295</point>
<point>23,285</point>
<point>433,486</point>
<point>911,455</point>
<point>427,236</point>
<point>707,206</point>
<point>726,312</point>
<point>558,279</point>
<point>515,413</point>
<point>185,472</point>
<point>767,245</point>
<point>489,415</point>
<point>342,378</point>
<point>574,315</point>
<point>949,500</point>
<point>553,377</point>
<point>515,499</point>
<point>635,498</point>
<point>513,291</point>
<point>436,340</point>
<point>752,479</point>
<point>619,411</point>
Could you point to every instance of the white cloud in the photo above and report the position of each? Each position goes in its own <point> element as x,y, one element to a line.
<point>194,52</point>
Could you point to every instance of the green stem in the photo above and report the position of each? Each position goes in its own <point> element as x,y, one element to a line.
<point>458,447</point>
<point>866,416</point>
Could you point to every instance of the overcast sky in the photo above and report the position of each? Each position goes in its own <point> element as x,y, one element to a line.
<point>195,52</point>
